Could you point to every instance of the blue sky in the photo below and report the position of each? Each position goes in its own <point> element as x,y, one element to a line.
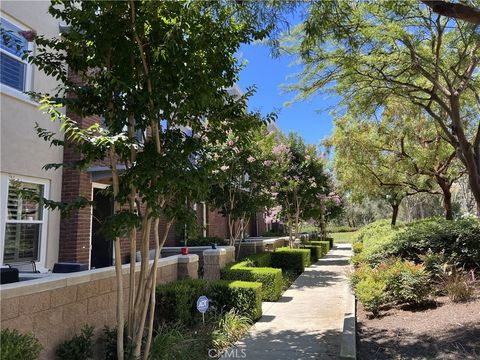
<point>309,118</point>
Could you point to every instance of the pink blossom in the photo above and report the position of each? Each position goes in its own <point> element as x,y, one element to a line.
<point>279,149</point>
<point>230,143</point>
<point>251,159</point>
<point>236,150</point>
<point>267,163</point>
<point>224,167</point>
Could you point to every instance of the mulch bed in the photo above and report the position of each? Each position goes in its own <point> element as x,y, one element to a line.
<point>444,330</point>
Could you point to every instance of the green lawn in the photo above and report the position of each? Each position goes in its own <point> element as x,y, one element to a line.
<point>343,237</point>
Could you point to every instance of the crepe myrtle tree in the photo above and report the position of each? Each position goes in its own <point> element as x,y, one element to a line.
<point>301,181</point>
<point>149,69</point>
<point>245,172</point>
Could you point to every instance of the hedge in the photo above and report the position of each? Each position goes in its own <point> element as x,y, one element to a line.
<point>324,244</point>
<point>291,259</point>
<point>176,301</point>
<point>270,278</point>
<point>315,252</point>
<point>263,259</point>
<point>244,296</point>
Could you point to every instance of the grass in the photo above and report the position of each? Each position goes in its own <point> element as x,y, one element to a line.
<point>343,237</point>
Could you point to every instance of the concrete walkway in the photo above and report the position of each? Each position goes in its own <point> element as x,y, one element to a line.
<point>307,322</point>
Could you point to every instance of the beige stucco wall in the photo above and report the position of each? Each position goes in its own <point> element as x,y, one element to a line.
<point>22,152</point>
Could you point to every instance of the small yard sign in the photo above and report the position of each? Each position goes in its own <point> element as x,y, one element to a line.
<point>202,306</point>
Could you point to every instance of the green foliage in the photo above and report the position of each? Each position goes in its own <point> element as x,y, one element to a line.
<point>263,259</point>
<point>357,248</point>
<point>406,281</point>
<point>457,284</point>
<point>270,278</point>
<point>109,341</point>
<point>325,245</point>
<point>206,241</point>
<point>456,241</point>
<point>315,252</point>
<point>176,302</point>
<point>231,327</point>
<point>174,342</point>
<point>80,347</point>
<point>370,291</point>
<point>340,229</point>
<point>17,346</point>
<point>244,296</point>
<point>291,259</point>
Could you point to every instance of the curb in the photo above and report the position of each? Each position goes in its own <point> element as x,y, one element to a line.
<point>348,347</point>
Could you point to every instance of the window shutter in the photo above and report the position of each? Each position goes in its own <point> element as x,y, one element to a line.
<point>12,72</point>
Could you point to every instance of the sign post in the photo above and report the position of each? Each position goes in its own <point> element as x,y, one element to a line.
<point>202,306</point>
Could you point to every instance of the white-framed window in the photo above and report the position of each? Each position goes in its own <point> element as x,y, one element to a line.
<point>24,222</point>
<point>15,72</point>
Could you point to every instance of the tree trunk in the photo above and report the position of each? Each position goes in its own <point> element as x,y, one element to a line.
<point>395,208</point>
<point>447,197</point>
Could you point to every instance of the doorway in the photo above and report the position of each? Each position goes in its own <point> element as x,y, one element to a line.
<point>101,254</point>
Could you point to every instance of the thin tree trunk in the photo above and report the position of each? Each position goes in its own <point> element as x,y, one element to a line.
<point>395,208</point>
<point>118,259</point>
<point>447,197</point>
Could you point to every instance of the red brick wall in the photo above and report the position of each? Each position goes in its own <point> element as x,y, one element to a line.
<point>217,224</point>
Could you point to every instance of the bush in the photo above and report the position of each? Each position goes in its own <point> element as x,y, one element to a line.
<point>270,278</point>
<point>244,296</point>
<point>17,346</point>
<point>325,245</point>
<point>230,328</point>
<point>357,248</point>
<point>456,240</point>
<point>175,342</point>
<point>315,252</point>
<point>291,259</point>
<point>406,281</point>
<point>206,241</point>
<point>456,284</point>
<point>263,259</point>
<point>79,347</point>
<point>177,300</point>
<point>370,291</point>
<point>339,229</point>
<point>109,340</point>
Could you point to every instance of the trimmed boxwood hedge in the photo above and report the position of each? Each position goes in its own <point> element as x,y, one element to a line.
<point>270,278</point>
<point>315,252</point>
<point>263,259</point>
<point>324,244</point>
<point>176,301</point>
<point>291,259</point>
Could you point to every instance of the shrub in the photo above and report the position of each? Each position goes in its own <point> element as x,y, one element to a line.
<point>325,245</point>
<point>270,278</point>
<point>457,240</point>
<point>406,281</point>
<point>206,241</point>
<point>263,259</point>
<point>17,346</point>
<point>230,328</point>
<point>244,296</point>
<point>357,248</point>
<point>79,347</point>
<point>291,259</point>
<point>315,252</point>
<point>174,342</point>
<point>339,229</point>
<point>109,340</point>
<point>456,284</point>
<point>370,291</point>
<point>177,300</point>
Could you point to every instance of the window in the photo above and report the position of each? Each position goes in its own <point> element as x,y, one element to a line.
<point>24,223</point>
<point>13,68</point>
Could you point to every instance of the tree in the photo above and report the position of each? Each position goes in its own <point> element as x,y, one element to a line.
<point>302,182</point>
<point>245,173</point>
<point>369,51</point>
<point>455,10</point>
<point>152,71</point>
<point>367,167</point>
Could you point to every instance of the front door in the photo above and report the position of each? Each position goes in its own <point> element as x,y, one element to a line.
<point>101,254</point>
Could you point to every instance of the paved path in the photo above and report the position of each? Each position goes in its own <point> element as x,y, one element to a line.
<point>307,322</point>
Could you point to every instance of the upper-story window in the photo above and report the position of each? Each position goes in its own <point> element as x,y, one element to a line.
<point>14,70</point>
